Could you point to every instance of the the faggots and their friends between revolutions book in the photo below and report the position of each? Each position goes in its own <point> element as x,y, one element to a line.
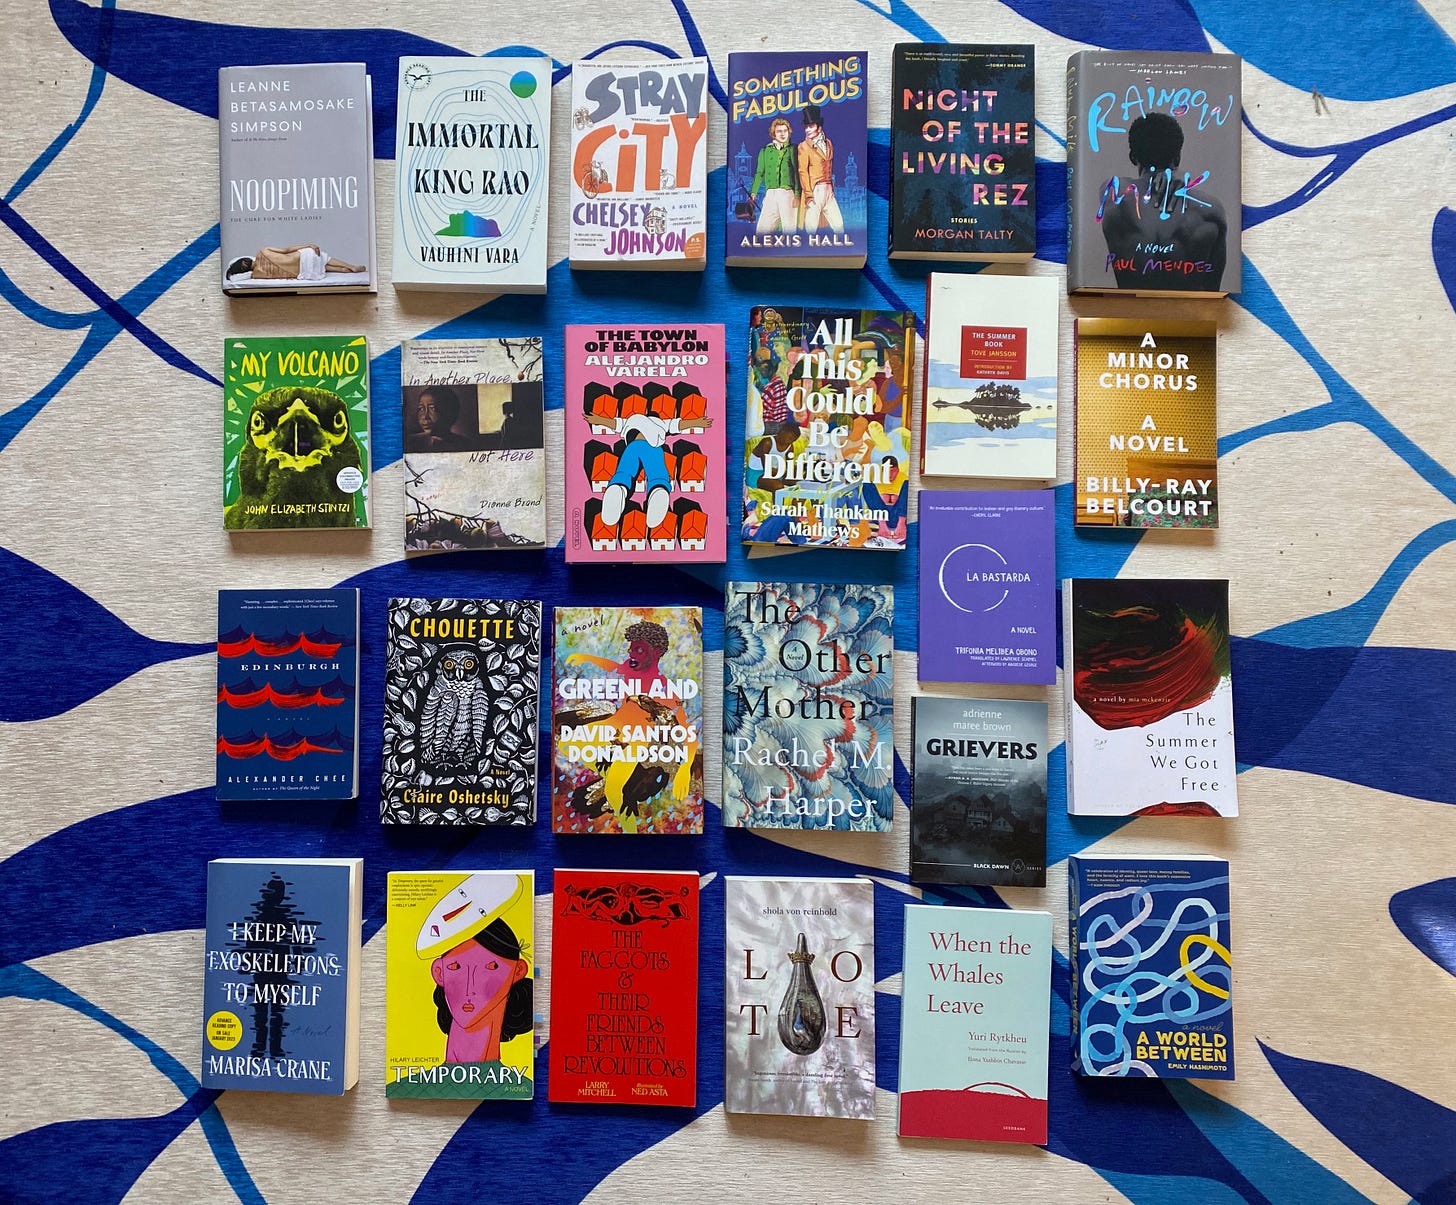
<point>974,1024</point>
<point>472,161</point>
<point>461,681</point>
<point>474,436</point>
<point>639,164</point>
<point>799,997</point>
<point>1149,694</point>
<point>1152,967</point>
<point>645,438</point>
<point>296,176</point>
<point>798,169</point>
<point>1153,173</point>
<point>624,987</point>
<point>280,1000</point>
<point>962,152</point>
<point>459,985</point>
<point>827,455</point>
<point>295,432</point>
<point>287,715</point>
<point>808,706</point>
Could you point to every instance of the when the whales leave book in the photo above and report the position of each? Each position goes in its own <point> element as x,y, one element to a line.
<point>974,1024</point>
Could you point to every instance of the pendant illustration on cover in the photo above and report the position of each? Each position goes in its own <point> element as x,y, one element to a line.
<point>801,1015</point>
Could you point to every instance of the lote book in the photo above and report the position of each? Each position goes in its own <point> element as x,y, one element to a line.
<point>962,152</point>
<point>280,997</point>
<point>799,1024</point>
<point>287,677</point>
<point>474,444</point>
<point>1153,173</point>
<point>461,681</point>
<point>472,164</point>
<point>624,987</point>
<point>1151,967</point>
<point>1149,694</point>
<point>296,179</point>
<point>639,164</point>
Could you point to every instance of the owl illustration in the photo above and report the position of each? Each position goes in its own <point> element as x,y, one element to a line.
<point>452,723</point>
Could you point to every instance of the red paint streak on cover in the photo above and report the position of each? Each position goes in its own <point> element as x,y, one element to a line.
<point>1192,808</point>
<point>977,1116</point>
<point>1124,684</point>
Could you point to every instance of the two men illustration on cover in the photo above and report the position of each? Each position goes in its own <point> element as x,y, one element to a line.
<point>796,179</point>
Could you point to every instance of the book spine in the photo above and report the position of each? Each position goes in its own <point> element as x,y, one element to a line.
<point>1074,961</point>
<point>1074,103</point>
<point>1069,689</point>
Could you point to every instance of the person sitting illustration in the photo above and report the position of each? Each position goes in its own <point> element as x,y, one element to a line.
<point>304,262</point>
<point>644,456</point>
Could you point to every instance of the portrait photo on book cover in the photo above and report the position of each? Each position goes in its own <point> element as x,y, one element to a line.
<point>473,418</point>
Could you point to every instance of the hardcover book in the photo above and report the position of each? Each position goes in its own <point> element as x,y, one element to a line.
<point>639,164</point>
<point>1150,715</point>
<point>624,987</point>
<point>798,166</point>
<point>627,717</point>
<point>799,1032</point>
<point>808,706</point>
<point>295,432</point>
<point>460,985</point>
<point>827,455</point>
<point>1153,173</point>
<point>1151,967</point>
<point>280,997</point>
<point>962,152</point>
<point>296,179</point>
<point>461,684</point>
<point>474,436</point>
<point>645,439</point>
<point>974,1024</point>
<point>472,155</point>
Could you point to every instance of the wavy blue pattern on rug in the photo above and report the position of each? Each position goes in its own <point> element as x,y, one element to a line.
<point>1427,916</point>
<point>1156,25</point>
<point>1443,251</point>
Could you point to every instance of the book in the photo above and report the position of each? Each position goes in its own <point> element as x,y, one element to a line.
<point>1149,694</point>
<point>461,683</point>
<point>627,718</point>
<point>978,806</point>
<point>296,179</point>
<point>287,711</point>
<point>989,406</point>
<point>1153,173</point>
<point>799,1024</point>
<point>280,996</point>
<point>974,1024</point>
<point>295,432</point>
<point>988,575</point>
<point>474,444</point>
<point>645,438</point>
<point>624,987</point>
<point>963,152</point>
<point>1151,967</point>
<point>808,706</point>
<point>827,449</point>
<point>472,172</point>
<point>639,164</point>
<point>798,165</point>
<point>460,985</point>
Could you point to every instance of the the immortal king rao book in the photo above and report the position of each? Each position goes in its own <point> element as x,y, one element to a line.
<point>1150,715</point>
<point>287,715</point>
<point>296,179</point>
<point>639,164</point>
<point>474,434</point>
<point>280,999</point>
<point>1152,967</point>
<point>1153,173</point>
<point>962,152</point>
<point>974,1024</point>
<point>295,432</point>
<point>799,1025</point>
<point>472,155</point>
<point>645,438</point>
<point>459,985</point>
<point>827,457</point>
<point>1147,424</point>
<point>808,706</point>
<point>624,987</point>
<point>461,684</point>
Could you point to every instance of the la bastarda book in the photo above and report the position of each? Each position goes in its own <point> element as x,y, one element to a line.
<point>624,987</point>
<point>280,1000</point>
